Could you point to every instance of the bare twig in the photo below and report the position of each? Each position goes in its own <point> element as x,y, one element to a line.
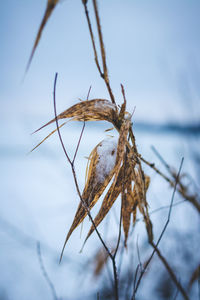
<point>89,92</point>
<point>176,294</point>
<point>167,166</point>
<point>103,53</point>
<point>82,200</point>
<point>92,38</point>
<point>171,204</point>
<point>44,272</point>
<point>190,198</point>
<point>155,246</point>
<point>103,74</point>
<point>134,281</point>
<point>170,271</point>
<point>78,143</point>
<point>80,138</point>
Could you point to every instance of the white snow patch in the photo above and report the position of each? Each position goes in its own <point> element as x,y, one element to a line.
<point>107,151</point>
<point>104,104</point>
<point>127,116</point>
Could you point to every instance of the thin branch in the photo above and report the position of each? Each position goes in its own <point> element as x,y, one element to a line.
<point>103,53</point>
<point>164,207</point>
<point>82,200</point>
<point>171,204</point>
<point>103,74</point>
<point>56,118</point>
<point>190,198</point>
<point>176,294</point>
<point>134,282</point>
<point>155,246</point>
<point>79,141</point>
<point>88,94</point>
<point>170,271</point>
<point>44,272</point>
<point>167,166</point>
<point>80,138</point>
<point>92,39</point>
<point>152,165</point>
<point>168,219</point>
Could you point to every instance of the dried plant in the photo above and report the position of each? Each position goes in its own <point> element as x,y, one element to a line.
<point>114,164</point>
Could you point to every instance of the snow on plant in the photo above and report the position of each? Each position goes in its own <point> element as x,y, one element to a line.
<point>114,162</point>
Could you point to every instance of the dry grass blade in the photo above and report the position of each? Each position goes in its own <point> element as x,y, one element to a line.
<point>140,188</point>
<point>127,207</point>
<point>121,148</point>
<point>90,110</point>
<point>115,189</point>
<point>49,9</point>
<point>100,260</point>
<point>102,162</point>
<point>123,107</point>
<point>47,136</point>
<point>136,197</point>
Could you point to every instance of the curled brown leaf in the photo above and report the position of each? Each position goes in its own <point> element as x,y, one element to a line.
<point>101,170</point>
<point>90,110</point>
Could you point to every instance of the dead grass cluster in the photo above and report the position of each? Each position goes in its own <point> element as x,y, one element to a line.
<point>113,165</point>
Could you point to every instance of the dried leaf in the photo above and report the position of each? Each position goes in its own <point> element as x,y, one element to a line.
<point>140,194</point>
<point>90,110</point>
<point>127,208</point>
<point>49,9</point>
<point>100,260</point>
<point>121,147</point>
<point>48,136</point>
<point>101,170</point>
<point>115,189</point>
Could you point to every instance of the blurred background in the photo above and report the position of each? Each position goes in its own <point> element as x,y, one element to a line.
<point>153,49</point>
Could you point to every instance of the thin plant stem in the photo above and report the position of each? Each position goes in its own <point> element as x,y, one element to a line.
<point>103,74</point>
<point>155,246</point>
<point>103,53</point>
<point>44,272</point>
<point>79,141</point>
<point>82,200</point>
<point>190,198</point>
<point>92,38</point>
